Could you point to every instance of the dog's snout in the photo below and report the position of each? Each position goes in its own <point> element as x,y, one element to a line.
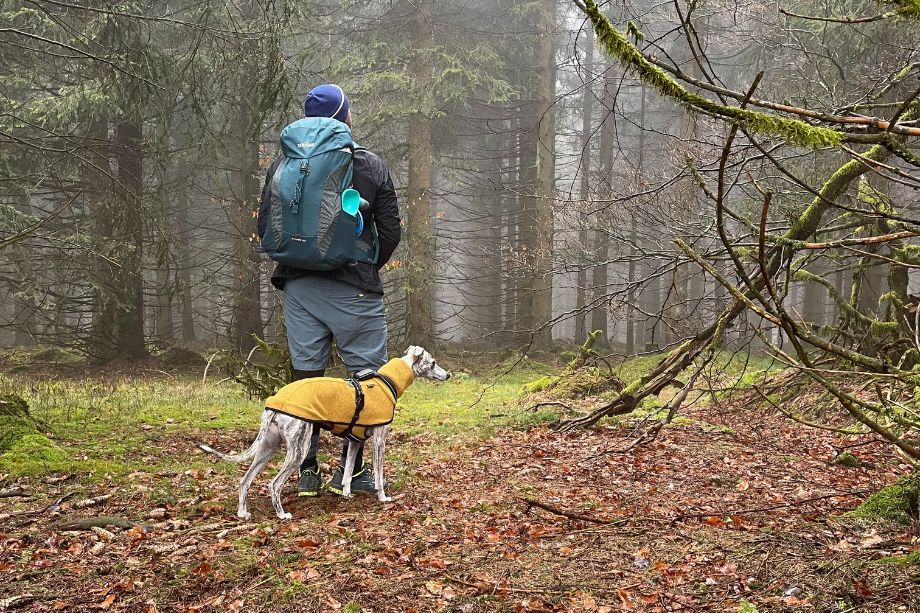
<point>447,377</point>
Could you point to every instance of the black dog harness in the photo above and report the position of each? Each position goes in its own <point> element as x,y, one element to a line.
<point>355,382</point>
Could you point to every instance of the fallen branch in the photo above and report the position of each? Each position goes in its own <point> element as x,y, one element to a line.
<point>576,516</point>
<point>17,601</point>
<point>795,503</point>
<point>88,523</point>
<point>484,587</point>
<point>46,508</point>
<point>14,494</point>
<point>91,502</point>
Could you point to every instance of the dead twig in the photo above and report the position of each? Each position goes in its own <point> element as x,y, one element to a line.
<point>490,588</point>
<point>17,601</point>
<point>46,508</point>
<point>16,493</point>
<point>534,407</point>
<point>795,503</point>
<point>88,523</point>
<point>576,516</point>
<point>91,502</point>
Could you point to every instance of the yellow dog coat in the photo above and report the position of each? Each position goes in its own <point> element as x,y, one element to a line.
<point>333,403</point>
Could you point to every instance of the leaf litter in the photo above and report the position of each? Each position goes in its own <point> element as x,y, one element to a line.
<point>741,517</point>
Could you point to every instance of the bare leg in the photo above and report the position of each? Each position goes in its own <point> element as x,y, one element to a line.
<point>297,436</point>
<point>349,468</point>
<point>270,441</point>
<point>380,438</point>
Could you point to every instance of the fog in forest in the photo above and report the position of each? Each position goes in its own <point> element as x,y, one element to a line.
<point>543,175</point>
<point>657,266</point>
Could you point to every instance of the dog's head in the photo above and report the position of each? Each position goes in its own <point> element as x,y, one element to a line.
<point>423,365</point>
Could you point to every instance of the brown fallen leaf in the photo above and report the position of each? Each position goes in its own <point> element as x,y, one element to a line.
<point>105,604</point>
<point>202,569</point>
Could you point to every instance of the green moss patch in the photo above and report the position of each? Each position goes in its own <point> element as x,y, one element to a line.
<point>911,559</point>
<point>848,459</point>
<point>898,502</point>
<point>15,421</point>
<point>578,384</point>
<point>33,454</point>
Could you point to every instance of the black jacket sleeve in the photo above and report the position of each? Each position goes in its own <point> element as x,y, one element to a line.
<point>264,198</point>
<point>386,218</point>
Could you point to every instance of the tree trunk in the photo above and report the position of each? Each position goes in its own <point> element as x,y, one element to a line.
<point>511,246</point>
<point>587,112</point>
<point>419,239</point>
<point>602,217</point>
<point>128,332</point>
<point>24,310</point>
<point>163,323</point>
<point>247,314</point>
<point>538,212</point>
<point>631,343</point>
<point>185,263</point>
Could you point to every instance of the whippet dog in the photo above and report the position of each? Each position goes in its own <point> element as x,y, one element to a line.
<point>278,424</point>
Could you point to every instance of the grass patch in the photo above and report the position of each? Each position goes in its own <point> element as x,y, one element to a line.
<point>101,427</point>
<point>105,426</point>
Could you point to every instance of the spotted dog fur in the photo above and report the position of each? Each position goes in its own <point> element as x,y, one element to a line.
<point>277,427</point>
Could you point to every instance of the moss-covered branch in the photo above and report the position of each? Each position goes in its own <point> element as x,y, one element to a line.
<point>791,130</point>
<point>907,8</point>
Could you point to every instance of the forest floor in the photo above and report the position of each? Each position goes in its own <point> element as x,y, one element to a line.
<point>733,507</point>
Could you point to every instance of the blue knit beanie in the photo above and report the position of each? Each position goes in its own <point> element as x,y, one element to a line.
<point>326,101</point>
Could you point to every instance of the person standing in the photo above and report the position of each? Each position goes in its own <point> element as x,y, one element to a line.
<point>344,305</point>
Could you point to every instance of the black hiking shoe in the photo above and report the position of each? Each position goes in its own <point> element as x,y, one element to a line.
<point>362,481</point>
<point>309,483</point>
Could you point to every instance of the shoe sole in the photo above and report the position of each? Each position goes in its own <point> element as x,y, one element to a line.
<point>307,494</point>
<point>339,491</point>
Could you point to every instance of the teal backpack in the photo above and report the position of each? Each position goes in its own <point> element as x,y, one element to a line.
<point>307,227</point>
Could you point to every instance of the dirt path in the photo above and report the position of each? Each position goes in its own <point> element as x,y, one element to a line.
<point>722,512</point>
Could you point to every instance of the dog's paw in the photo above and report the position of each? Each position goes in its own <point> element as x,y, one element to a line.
<point>384,498</point>
<point>243,514</point>
<point>285,516</point>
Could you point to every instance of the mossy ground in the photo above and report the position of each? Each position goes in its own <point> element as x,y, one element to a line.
<point>15,421</point>
<point>98,426</point>
<point>898,502</point>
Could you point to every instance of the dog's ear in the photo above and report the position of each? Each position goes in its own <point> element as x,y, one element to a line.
<point>415,352</point>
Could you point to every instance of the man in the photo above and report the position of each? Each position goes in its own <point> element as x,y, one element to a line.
<point>344,304</point>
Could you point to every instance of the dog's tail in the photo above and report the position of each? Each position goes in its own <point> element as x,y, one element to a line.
<point>267,417</point>
<point>239,457</point>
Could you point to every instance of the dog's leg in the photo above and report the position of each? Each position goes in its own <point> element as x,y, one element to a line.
<point>349,468</point>
<point>270,439</point>
<point>380,437</point>
<point>296,435</point>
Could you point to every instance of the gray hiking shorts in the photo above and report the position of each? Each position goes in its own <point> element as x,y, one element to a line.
<point>317,309</point>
